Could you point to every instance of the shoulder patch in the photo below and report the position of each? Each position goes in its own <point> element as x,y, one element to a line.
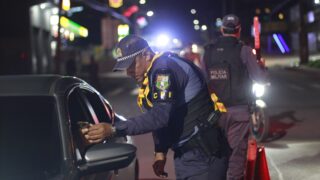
<point>162,81</point>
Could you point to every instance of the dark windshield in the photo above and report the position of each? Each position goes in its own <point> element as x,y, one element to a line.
<point>29,138</point>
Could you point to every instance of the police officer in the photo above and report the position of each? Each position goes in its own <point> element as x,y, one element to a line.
<point>177,109</point>
<point>231,67</point>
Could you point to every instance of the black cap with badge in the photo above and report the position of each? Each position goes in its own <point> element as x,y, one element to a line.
<point>127,49</point>
<point>231,23</point>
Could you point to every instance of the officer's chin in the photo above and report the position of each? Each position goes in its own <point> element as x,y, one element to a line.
<point>139,81</point>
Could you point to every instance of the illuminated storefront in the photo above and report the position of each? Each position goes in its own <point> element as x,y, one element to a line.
<point>44,21</point>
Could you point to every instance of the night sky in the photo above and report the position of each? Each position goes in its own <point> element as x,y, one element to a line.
<point>172,16</point>
<point>175,18</point>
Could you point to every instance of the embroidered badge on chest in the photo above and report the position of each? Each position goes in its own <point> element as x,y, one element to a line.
<point>162,82</point>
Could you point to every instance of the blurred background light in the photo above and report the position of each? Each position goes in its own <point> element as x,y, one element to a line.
<point>218,22</point>
<point>55,10</point>
<point>280,16</point>
<point>194,48</point>
<point>204,27</point>
<point>162,40</point>
<point>66,5</point>
<point>142,2</point>
<point>142,22</point>
<point>150,13</point>
<point>310,17</point>
<point>258,11</point>
<point>123,30</point>
<point>115,3</point>
<point>54,20</point>
<point>275,37</point>
<point>196,27</point>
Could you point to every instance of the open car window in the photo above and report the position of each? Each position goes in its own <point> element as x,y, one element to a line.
<point>86,106</point>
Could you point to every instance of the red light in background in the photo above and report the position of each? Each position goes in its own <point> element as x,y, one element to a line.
<point>131,10</point>
<point>23,56</point>
<point>256,26</point>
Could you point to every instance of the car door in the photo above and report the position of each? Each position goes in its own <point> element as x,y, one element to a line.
<point>30,144</point>
<point>85,105</point>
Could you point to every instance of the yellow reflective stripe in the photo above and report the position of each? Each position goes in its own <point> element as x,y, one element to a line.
<point>145,89</point>
<point>146,92</point>
<point>214,97</point>
<point>221,107</point>
<point>218,105</point>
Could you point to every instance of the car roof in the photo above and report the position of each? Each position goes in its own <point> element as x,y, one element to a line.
<point>44,85</point>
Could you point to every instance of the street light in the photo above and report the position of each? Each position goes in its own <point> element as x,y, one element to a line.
<point>150,13</point>
<point>142,1</point>
<point>162,40</point>
<point>196,27</point>
<point>204,27</point>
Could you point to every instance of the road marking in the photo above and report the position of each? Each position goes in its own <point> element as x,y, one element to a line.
<point>116,92</point>
<point>273,164</point>
<point>296,87</point>
<point>315,86</point>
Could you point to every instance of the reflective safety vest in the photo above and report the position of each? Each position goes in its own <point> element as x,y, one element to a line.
<point>197,110</point>
<point>227,74</point>
<point>218,106</point>
<point>144,91</point>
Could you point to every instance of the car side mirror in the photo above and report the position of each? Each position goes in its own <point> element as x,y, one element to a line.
<point>107,156</point>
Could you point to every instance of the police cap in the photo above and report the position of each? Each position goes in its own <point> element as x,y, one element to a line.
<point>127,49</point>
<point>231,23</point>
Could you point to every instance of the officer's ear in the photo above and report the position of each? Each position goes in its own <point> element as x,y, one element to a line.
<point>147,55</point>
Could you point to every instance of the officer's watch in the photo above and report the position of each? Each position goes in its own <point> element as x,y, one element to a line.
<point>113,130</point>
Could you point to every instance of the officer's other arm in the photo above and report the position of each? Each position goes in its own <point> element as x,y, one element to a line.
<point>161,139</point>
<point>161,145</point>
<point>256,73</point>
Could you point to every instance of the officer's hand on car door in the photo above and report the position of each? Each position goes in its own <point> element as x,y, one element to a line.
<point>158,165</point>
<point>83,126</point>
<point>97,132</point>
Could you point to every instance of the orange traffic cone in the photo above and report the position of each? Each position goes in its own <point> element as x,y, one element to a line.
<point>261,166</point>
<point>251,159</point>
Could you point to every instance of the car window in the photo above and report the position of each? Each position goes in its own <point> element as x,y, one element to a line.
<point>86,106</point>
<point>30,146</point>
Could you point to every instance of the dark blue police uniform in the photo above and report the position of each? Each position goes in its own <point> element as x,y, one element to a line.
<point>178,105</point>
<point>231,68</point>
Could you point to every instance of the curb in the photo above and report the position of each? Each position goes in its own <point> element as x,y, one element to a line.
<point>305,69</point>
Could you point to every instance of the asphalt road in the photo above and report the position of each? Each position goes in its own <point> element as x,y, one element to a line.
<point>293,146</point>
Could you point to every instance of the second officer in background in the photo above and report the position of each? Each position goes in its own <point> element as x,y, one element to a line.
<point>231,68</point>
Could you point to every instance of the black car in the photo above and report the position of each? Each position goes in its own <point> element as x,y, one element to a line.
<point>39,130</point>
